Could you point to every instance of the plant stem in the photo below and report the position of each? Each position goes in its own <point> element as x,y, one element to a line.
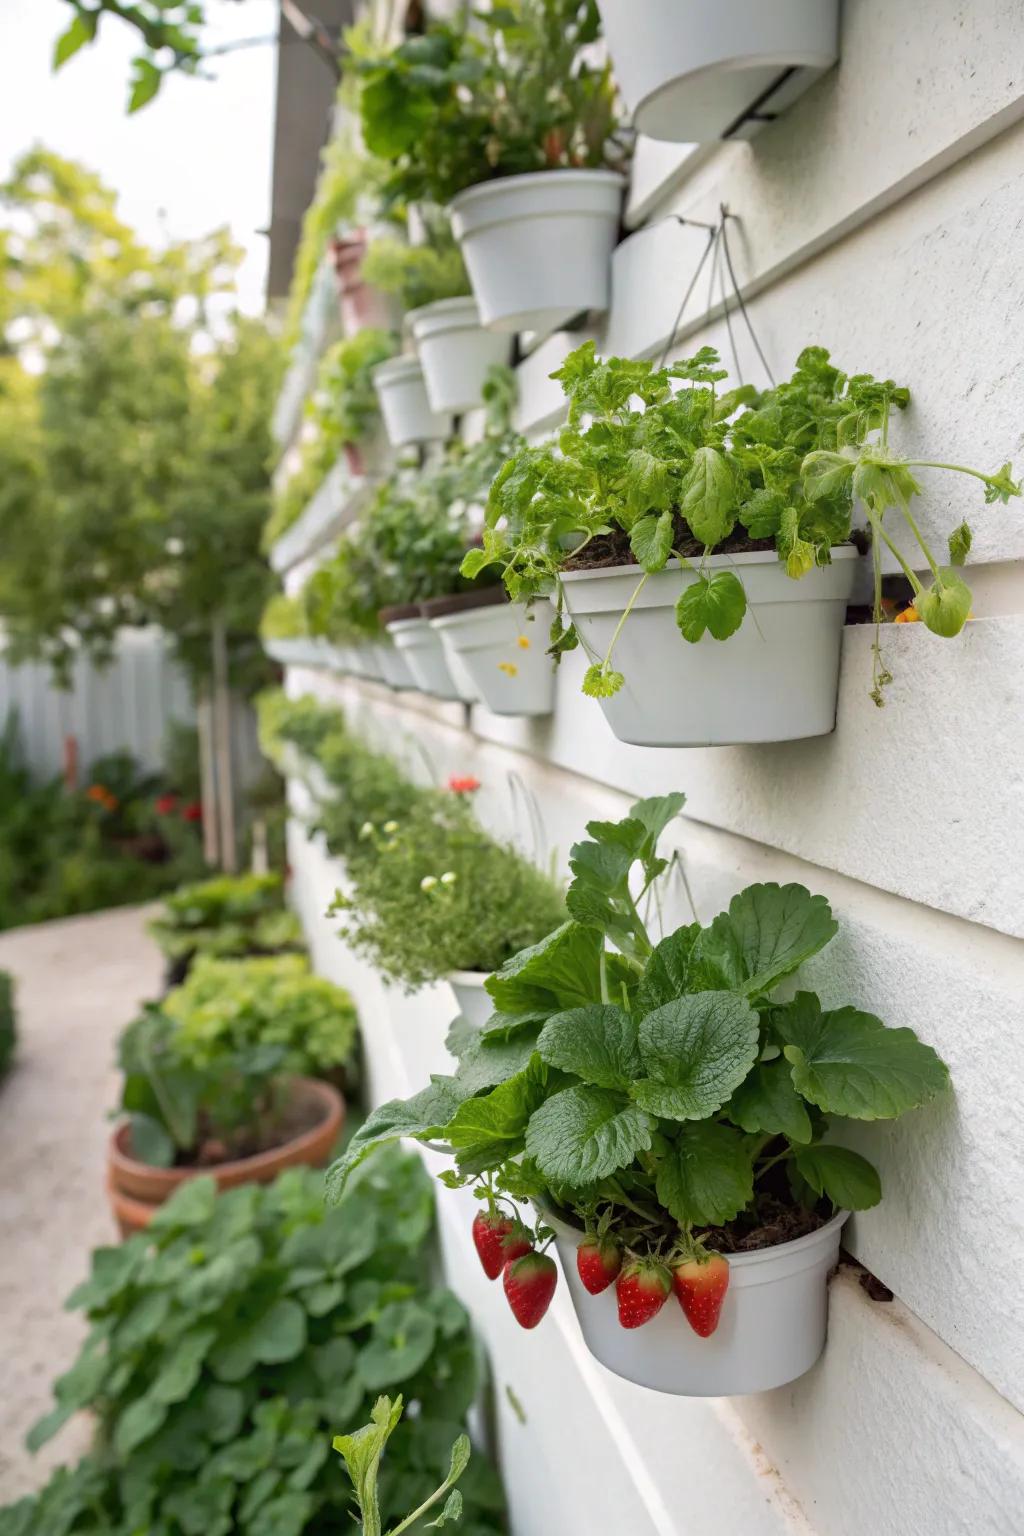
<point>622,619</point>
<point>876,523</point>
<point>780,1157</point>
<point>960,469</point>
<point>917,535</point>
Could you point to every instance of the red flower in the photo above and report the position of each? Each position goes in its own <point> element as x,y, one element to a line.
<point>192,812</point>
<point>165,804</point>
<point>463,784</point>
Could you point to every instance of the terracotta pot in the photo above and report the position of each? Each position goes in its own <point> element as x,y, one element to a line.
<point>137,1189</point>
<point>362,307</point>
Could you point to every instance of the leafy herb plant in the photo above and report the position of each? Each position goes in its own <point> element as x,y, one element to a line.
<point>228,1342</point>
<point>455,107</point>
<point>698,471</point>
<point>660,1095</point>
<point>230,915</point>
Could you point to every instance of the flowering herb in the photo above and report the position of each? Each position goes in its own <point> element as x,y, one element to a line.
<point>658,1094</point>
<point>698,471</point>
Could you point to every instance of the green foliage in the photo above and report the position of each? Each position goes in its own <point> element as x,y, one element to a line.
<point>8,1023</point>
<point>452,107</point>
<point>230,1340</point>
<point>230,915</point>
<point>697,471</point>
<point>660,1089</point>
<point>361,1452</point>
<point>431,892</point>
<point>133,470</point>
<point>68,851</point>
<point>417,274</point>
<point>303,723</point>
<point>283,618</point>
<point>205,1067</point>
<point>169,36</point>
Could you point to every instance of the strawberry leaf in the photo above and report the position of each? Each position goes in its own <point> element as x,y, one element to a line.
<point>768,931</point>
<point>706,1177</point>
<point>583,1134</point>
<point>598,1044</point>
<point>848,1179</point>
<point>695,1051</point>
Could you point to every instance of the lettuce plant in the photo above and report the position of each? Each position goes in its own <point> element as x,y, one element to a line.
<point>230,1340</point>
<point>663,1093</point>
<point>228,915</point>
<point>455,106</point>
<point>695,471</point>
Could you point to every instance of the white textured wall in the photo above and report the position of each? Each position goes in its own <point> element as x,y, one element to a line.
<point>883,217</point>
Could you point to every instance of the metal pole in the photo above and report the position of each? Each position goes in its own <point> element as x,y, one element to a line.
<point>207,777</point>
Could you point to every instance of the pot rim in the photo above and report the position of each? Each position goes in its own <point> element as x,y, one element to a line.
<point>395,370</point>
<point>121,1162</point>
<point>479,189</point>
<point>451,603</point>
<point>393,613</point>
<point>463,616</point>
<point>742,557</point>
<point>462,311</point>
<point>470,978</point>
<point>736,1260</point>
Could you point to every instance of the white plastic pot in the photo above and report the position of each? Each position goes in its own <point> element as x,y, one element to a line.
<point>538,247</point>
<point>371,662</point>
<point>423,652</point>
<point>404,406</point>
<point>394,668</point>
<point>775,679</point>
<point>456,352</point>
<point>504,650</point>
<point>474,1003</point>
<point>691,72</point>
<point>772,1328</point>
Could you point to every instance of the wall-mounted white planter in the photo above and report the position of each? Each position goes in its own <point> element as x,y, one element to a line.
<point>772,1328</point>
<point>456,352</point>
<point>775,679</point>
<point>424,654</point>
<point>394,669</point>
<point>408,418</point>
<point>503,647</point>
<point>371,660</point>
<point>474,1003</point>
<point>692,72</point>
<point>538,247</point>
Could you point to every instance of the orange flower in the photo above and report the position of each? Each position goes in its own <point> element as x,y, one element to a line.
<point>463,784</point>
<point>523,643</point>
<point>908,616</point>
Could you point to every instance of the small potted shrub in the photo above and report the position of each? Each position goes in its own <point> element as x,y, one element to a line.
<point>227,1345</point>
<point>713,516</point>
<point>228,916</point>
<point>226,1077</point>
<point>513,130</point>
<point>343,599</point>
<point>456,353</point>
<point>433,896</point>
<point>675,1122</point>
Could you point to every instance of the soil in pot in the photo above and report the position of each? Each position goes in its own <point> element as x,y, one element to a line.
<point>462,602</point>
<point>304,1132</point>
<point>610,549</point>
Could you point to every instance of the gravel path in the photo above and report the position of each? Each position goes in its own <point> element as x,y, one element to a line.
<point>77,983</point>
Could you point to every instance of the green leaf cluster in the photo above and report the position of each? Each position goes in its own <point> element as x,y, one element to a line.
<point>228,915</point>
<point>208,1064</point>
<point>662,1087</point>
<point>514,92</point>
<point>417,274</point>
<point>361,1452</point>
<point>228,1342</point>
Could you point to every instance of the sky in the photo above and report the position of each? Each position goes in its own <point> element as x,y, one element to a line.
<point>196,158</point>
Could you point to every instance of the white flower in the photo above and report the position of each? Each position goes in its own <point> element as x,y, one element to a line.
<point>366,830</point>
<point>391,827</point>
<point>449,877</point>
<point>428,882</point>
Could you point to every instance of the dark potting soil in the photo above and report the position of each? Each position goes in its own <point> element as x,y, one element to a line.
<point>296,1119</point>
<point>609,549</point>
<point>772,1222</point>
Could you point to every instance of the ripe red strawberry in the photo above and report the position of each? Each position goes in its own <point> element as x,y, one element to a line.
<point>641,1288</point>
<point>598,1260</point>
<point>497,1240</point>
<point>529,1284</point>
<point>701,1286</point>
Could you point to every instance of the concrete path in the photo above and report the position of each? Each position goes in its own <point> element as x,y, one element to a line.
<point>77,983</point>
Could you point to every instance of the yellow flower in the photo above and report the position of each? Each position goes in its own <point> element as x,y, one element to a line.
<point>908,616</point>
<point>509,668</point>
<point>391,827</point>
<point>523,643</point>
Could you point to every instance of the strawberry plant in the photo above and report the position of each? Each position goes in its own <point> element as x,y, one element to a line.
<point>658,1094</point>
<point>228,1342</point>
<point>361,1452</point>
<point>696,471</point>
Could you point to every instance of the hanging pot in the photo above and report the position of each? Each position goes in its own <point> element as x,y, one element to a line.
<point>503,647</point>
<point>408,418</point>
<point>394,669</point>
<point>692,72</point>
<point>424,655</point>
<point>362,307</point>
<point>474,1003</point>
<point>775,679</point>
<point>456,352</point>
<point>538,247</point>
<point>772,1327</point>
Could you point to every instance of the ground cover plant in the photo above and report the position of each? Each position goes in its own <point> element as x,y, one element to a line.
<point>230,915</point>
<point>229,1342</point>
<point>697,472</point>
<point>659,1095</point>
